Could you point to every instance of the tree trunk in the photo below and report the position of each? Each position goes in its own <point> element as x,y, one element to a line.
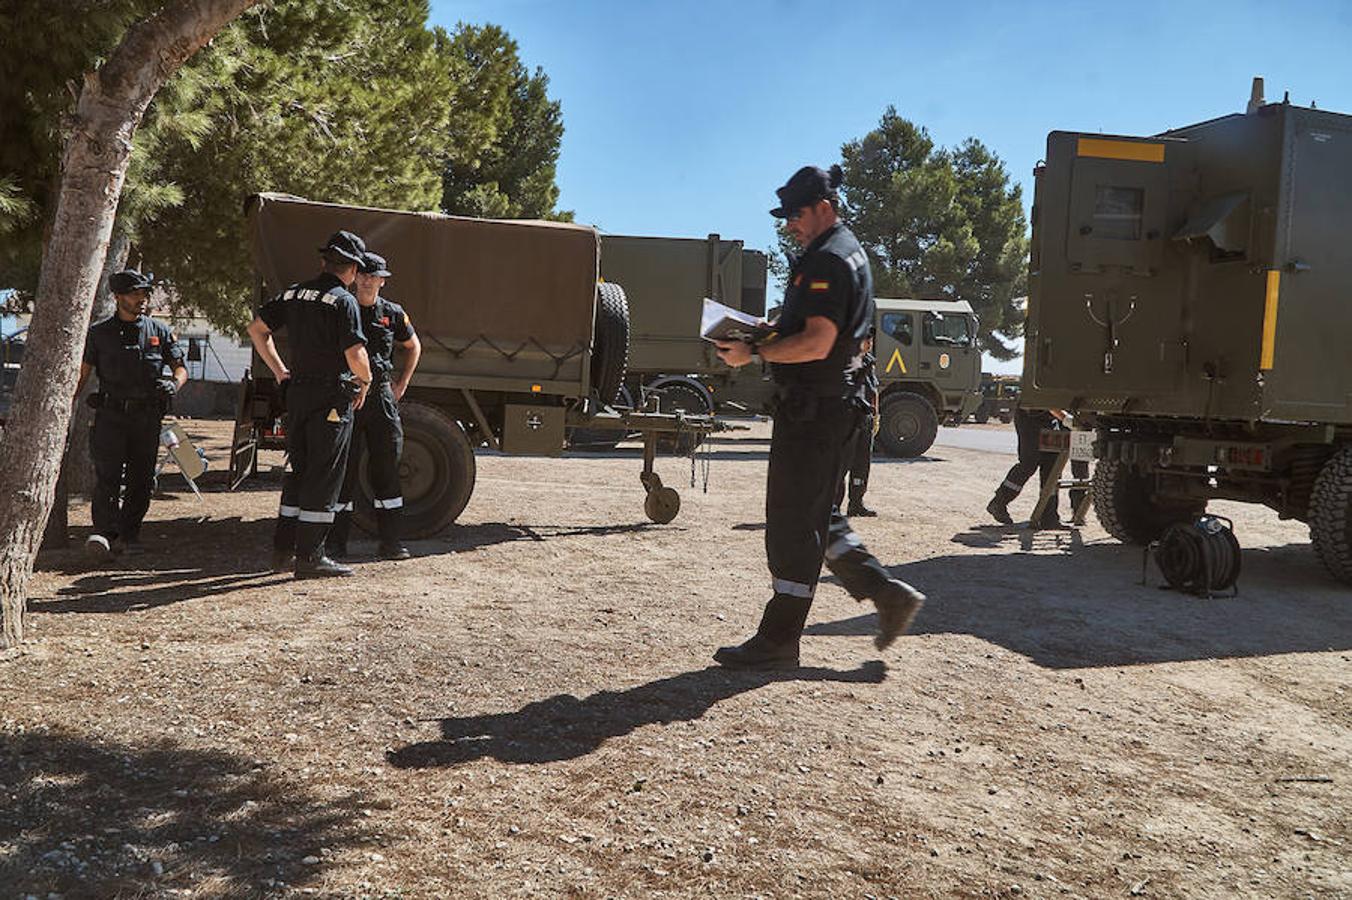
<point>93,169</point>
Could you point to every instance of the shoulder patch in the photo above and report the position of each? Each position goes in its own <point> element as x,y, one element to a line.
<point>154,340</point>
<point>819,286</point>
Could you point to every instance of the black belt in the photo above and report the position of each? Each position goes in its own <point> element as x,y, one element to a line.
<point>131,404</point>
<point>317,379</point>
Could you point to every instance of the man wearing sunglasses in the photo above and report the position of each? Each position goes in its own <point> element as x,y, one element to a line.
<point>820,407</point>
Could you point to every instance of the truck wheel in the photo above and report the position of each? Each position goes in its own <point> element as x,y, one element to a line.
<point>1330,511</point>
<point>679,396</point>
<point>909,425</point>
<point>436,473</point>
<point>610,349</point>
<point>981,416</point>
<point>1126,509</point>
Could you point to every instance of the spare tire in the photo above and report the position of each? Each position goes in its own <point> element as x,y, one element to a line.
<point>436,473</point>
<point>610,342</point>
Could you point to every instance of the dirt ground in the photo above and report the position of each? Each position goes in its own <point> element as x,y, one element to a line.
<point>527,708</point>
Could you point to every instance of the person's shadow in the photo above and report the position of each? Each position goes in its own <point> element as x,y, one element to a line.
<point>565,727</point>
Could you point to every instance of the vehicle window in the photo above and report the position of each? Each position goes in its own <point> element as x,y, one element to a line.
<point>1118,212</point>
<point>948,331</point>
<point>898,325</point>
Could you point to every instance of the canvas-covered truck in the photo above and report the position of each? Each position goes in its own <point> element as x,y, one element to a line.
<point>1189,303</point>
<point>520,342</point>
<point>928,362</point>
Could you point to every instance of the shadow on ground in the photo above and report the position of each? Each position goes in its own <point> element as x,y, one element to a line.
<point>183,559</point>
<point>1086,606</point>
<point>564,727</point>
<point>106,820</point>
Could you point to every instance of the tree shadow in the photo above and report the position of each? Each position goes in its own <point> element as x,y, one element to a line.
<point>184,559</point>
<point>565,727</point>
<point>1085,606</point>
<point>105,820</point>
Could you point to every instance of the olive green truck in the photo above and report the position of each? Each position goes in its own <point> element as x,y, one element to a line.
<point>1190,302</point>
<point>929,364</point>
<point>521,341</point>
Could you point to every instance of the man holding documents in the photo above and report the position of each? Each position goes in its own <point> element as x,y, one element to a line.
<point>819,409</point>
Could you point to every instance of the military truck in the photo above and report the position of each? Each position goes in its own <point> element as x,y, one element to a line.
<point>999,397</point>
<point>1189,303</point>
<point>520,341</point>
<point>928,361</point>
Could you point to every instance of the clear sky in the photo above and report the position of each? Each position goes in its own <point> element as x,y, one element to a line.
<point>681,118</point>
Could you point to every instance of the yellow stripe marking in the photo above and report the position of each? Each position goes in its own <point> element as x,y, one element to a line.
<point>1274,283</point>
<point>896,360</point>
<point>1130,150</point>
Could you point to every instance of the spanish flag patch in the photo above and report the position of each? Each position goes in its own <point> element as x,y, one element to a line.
<point>819,286</point>
<point>154,340</point>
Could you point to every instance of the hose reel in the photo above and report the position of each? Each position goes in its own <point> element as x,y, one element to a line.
<point>1199,557</point>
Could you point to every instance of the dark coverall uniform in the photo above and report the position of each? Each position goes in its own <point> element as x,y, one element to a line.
<point>1028,426</point>
<point>321,321</point>
<point>377,429</point>
<point>130,358</point>
<point>860,458</point>
<point>820,409</point>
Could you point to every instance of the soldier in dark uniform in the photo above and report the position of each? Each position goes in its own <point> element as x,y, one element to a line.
<point>327,383</point>
<point>861,454</point>
<point>1028,426</point>
<point>129,351</point>
<point>377,428</point>
<point>819,409</point>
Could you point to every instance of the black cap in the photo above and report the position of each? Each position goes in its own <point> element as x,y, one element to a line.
<point>129,281</point>
<point>345,244</point>
<point>808,185</point>
<point>373,264</point>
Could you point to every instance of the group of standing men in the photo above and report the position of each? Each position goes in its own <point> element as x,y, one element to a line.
<point>340,395</point>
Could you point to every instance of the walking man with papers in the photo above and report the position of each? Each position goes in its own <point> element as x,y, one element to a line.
<point>814,353</point>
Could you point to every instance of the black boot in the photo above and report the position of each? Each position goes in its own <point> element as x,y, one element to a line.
<point>318,565</point>
<point>897,606</point>
<point>759,653</point>
<point>310,559</point>
<point>387,520</point>
<point>335,544</point>
<point>857,508</point>
<point>775,643</point>
<point>999,505</point>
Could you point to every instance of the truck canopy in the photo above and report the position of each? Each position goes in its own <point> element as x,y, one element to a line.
<point>491,299</point>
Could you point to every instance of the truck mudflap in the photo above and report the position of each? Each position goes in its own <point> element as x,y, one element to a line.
<point>661,503</point>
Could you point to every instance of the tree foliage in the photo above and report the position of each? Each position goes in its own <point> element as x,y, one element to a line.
<point>515,175</point>
<point>939,222</point>
<point>347,101</point>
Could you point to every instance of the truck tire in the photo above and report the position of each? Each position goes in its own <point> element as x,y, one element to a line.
<point>982,415</point>
<point>1126,509</point>
<point>610,347</point>
<point>1330,508</point>
<point>683,397</point>
<point>909,425</point>
<point>436,473</point>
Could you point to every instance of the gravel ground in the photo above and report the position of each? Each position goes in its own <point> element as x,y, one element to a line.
<point>526,708</point>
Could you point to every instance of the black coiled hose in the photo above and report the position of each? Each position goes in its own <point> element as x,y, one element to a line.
<point>1200,557</point>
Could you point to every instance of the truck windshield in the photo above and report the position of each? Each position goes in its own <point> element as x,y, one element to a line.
<point>950,330</point>
<point>898,327</point>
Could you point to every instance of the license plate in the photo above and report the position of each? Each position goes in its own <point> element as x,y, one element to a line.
<point>1082,446</point>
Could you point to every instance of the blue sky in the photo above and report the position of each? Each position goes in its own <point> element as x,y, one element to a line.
<point>682,118</point>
